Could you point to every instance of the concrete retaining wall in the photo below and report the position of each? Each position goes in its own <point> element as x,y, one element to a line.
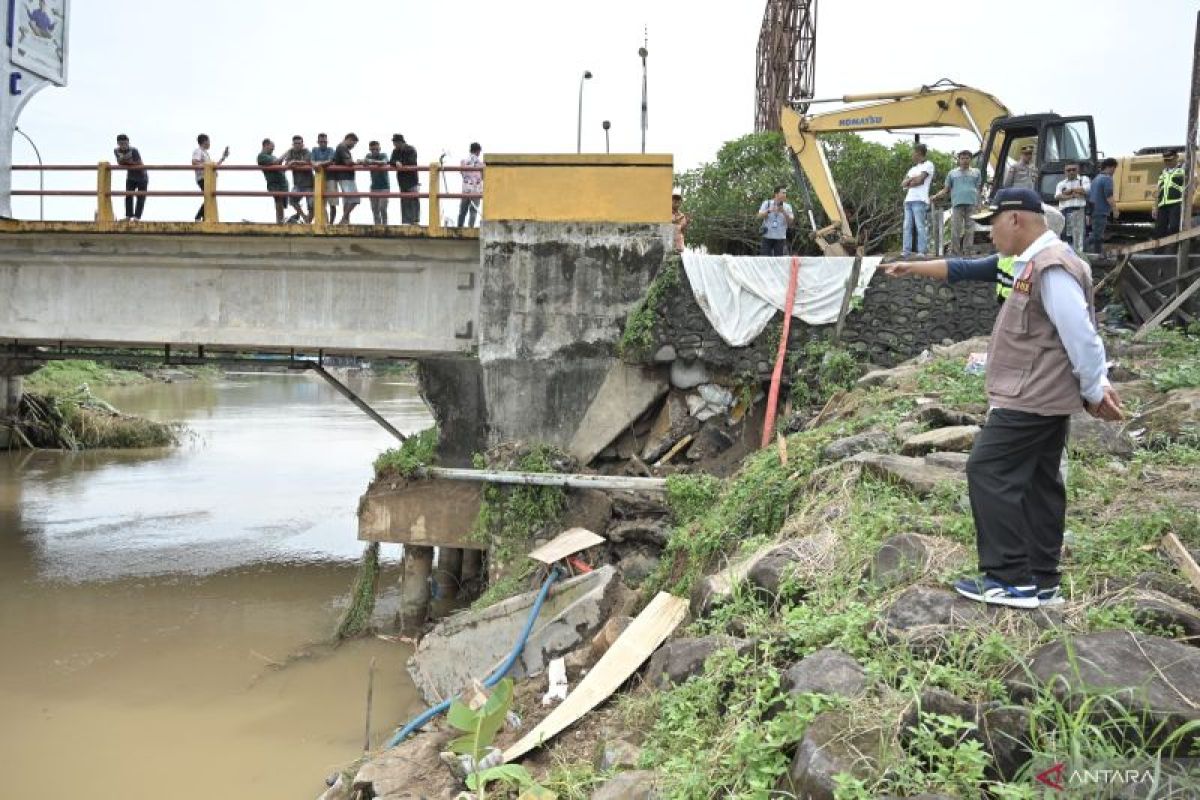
<point>555,300</point>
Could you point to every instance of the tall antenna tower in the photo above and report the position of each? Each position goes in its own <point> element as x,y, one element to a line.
<point>787,51</point>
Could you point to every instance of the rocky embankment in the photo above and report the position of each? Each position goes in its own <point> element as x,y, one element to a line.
<point>825,656</point>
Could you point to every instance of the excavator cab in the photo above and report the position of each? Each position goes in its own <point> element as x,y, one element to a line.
<point>1057,142</point>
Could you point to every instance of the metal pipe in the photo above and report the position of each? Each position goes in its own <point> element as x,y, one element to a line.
<point>345,392</point>
<point>41,175</point>
<point>572,481</point>
<point>579,121</point>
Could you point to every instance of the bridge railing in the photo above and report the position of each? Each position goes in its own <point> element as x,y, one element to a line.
<point>318,197</point>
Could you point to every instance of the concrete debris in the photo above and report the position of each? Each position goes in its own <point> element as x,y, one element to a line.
<point>624,396</point>
<point>688,374</point>
<point>556,679</point>
<point>470,644</point>
<point>957,438</point>
<point>672,424</point>
<point>711,441</point>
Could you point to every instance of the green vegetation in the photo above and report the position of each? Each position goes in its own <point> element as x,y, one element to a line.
<point>77,420</point>
<point>418,450</point>
<point>821,370</point>
<point>357,618</point>
<point>723,197</point>
<point>479,727</point>
<point>63,377</point>
<point>638,336</point>
<point>728,732</point>
<point>511,516</point>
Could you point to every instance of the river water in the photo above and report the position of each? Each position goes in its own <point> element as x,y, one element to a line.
<point>147,598</point>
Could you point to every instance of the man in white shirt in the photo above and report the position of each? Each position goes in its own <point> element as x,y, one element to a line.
<point>200,157</point>
<point>472,183</point>
<point>1071,194</point>
<point>916,201</point>
<point>777,216</point>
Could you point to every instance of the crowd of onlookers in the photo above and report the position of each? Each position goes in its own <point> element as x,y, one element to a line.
<point>340,184</point>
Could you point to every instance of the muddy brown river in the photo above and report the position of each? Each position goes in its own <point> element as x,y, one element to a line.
<point>147,598</point>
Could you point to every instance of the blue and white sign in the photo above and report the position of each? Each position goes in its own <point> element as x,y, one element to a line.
<point>37,37</point>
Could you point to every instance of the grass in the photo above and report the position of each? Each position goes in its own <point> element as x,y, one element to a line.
<point>638,336</point>
<point>728,731</point>
<point>418,450</point>
<point>63,377</point>
<point>78,421</point>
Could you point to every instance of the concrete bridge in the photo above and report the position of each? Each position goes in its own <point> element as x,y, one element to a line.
<point>514,325</point>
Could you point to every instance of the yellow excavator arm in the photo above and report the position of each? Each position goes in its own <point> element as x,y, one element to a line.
<point>927,107</point>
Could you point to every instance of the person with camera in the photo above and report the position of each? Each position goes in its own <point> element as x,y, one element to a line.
<point>777,216</point>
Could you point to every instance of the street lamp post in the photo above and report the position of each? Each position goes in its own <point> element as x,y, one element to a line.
<point>41,176</point>
<point>579,122</point>
<point>606,125</point>
<point>643,52</point>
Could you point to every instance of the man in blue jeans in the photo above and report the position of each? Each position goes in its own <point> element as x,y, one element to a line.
<point>1100,198</point>
<point>916,201</point>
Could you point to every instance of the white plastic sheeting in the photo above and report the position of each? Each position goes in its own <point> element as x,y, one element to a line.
<point>740,294</point>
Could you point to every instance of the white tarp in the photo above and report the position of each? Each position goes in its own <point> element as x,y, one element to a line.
<point>740,294</point>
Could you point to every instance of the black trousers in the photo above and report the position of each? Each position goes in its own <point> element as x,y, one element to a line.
<point>410,208</point>
<point>1167,220</point>
<point>200,213</point>
<point>773,247</point>
<point>135,185</point>
<point>1017,496</point>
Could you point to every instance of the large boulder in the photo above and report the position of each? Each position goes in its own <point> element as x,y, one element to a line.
<point>636,785</point>
<point>901,559</point>
<point>411,770</point>
<point>795,564</point>
<point>826,671</point>
<point>1003,730</point>
<point>1158,609</point>
<point>1175,418</point>
<point>921,617</point>
<point>829,749</point>
<point>936,415</point>
<point>951,461</point>
<point>653,531</point>
<point>867,441</point>
<point>1091,435</point>
<point>957,438</point>
<point>680,659</point>
<point>912,473</point>
<point>1156,681</point>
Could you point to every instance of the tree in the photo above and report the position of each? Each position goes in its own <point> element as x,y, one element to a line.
<point>723,197</point>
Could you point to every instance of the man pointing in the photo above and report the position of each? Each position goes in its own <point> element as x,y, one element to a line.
<point>1045,362</point>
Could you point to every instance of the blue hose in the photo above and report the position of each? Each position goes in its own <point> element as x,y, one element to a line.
<point>418,722</point>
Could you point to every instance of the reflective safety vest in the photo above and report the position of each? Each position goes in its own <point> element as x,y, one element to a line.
<point>1004,277</point>
<point>1170,186</point>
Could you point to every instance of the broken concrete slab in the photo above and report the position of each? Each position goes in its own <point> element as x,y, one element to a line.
<point>672,424</point>
<point>624,396</point>
<point>429,512</point>
<point>469,645</point>
<point>954,438</point>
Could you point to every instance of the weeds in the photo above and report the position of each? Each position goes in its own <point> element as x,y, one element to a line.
<point>638,336</point>
<point>418,450</point>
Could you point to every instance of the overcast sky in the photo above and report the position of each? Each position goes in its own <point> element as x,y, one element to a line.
<point>507,74</point>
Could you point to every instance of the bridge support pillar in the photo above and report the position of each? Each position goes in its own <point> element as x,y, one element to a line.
<point>414,586</point>
<point>448,574</point>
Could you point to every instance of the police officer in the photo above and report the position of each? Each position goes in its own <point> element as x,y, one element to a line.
<point>1168,197</point>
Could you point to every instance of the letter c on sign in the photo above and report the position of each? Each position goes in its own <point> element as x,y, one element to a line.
<point>14,80</point>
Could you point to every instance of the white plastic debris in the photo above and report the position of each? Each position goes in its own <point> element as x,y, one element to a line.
<point>556,674</point>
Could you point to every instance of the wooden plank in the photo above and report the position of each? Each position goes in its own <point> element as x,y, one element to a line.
<point>1140,307</point>
<point>1180,555</point>
<point>567,543</point>
<point>847,297</point>
<point>1113,275</point>
<point>1166,311</point>
<point>674,451</point>
<point>631,649</point>
<point>1154,244</point>
<point>1161,299</point>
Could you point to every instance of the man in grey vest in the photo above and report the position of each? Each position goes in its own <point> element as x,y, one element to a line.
<point>1023,174</point>
<point>1045,362</point>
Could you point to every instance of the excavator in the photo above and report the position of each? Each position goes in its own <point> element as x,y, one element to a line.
<point>1057,140</point>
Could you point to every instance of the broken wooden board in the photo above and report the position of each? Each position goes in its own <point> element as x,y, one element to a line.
<point>567,543</point>
<point>631,649</point>
<point>1180,555</point>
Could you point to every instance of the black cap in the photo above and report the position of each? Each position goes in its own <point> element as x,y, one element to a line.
<point>1010,200</point>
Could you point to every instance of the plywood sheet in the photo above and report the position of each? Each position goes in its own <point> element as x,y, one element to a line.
<point>643,636</point>
<point>567,543</point>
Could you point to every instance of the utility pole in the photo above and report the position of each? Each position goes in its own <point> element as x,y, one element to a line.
<point>1189,162</point>
<point>643,51</point>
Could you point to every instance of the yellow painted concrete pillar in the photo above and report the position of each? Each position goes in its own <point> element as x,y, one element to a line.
<point>320,218</point>
<point>210,196</point>
<point>104,209</point>
<point>435,205</point>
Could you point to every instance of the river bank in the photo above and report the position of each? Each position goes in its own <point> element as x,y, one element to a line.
<point>824,655</point>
